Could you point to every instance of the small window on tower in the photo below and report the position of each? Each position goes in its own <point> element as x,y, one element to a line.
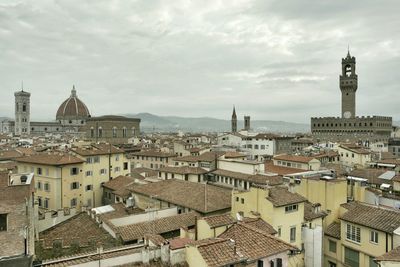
<point>24,107</point>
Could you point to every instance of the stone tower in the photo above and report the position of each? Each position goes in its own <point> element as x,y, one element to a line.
<point>234,121</point>
<point>22,113</point>
<point>348,86</point>
<point>247,123</point>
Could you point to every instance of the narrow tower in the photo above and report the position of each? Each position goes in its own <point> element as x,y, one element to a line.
<point>348,86</point>
<point>247,123</point>
<point>22,113</point>
<point>234,121</point>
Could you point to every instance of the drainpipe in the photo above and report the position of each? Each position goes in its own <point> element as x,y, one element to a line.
<point>62,206</point>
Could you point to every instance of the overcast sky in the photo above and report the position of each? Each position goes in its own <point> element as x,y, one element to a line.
<point>277,60</point>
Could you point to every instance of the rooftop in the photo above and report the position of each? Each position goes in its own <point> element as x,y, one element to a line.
<point>280,196</point>
<point>379,218</point>
<point>196,196</point>
<point>55,159</point>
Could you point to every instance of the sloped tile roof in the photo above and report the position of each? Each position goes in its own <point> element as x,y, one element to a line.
<point>196,196</point>
<point>393,255</point>
<point>382,219</point>
<point>159,226</point>
<point>280,196</point>
<point>50,159</point>
<point>333,230</point>
<point>240,243</point>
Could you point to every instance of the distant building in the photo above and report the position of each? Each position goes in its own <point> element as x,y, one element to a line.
<point>364,129</point>
<point>71,117</point>
<point>112,129</point>
<point>247,123</point>
<point>234,121</point>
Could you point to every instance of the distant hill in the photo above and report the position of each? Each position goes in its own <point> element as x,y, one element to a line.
<point>151,122</point>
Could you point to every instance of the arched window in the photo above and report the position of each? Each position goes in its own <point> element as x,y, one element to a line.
<point>100,132</point>
<point>114,132</point>
<point>133,131</point>
<point>92,132</point>
<point>24,107</point>
<point>124,132</point>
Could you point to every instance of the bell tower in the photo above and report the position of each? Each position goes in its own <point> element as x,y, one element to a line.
<point>348,86</point>
<point>22,113</point>
<point>234,121</point>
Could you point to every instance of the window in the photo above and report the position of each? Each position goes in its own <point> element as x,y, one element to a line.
<point>103,171</point>
<point>374,237</point>
<point>242,200</point>
<point>24,107</point>
<point>117,158</point>
<point>331,264</point>
<point>91,132</point>
<point>39,171</point>
<point>73,202</point>
<point>117,169</point>
<point>332,246</point>
<point>46,203</point>
<point>46,187</point>
<point>353,233</point>
<point>260,263</point>
<point>292,234</point>
<point>291,208</point>
<point>100,132</point>
<point>237,199</point>
<point>74,185</point>
<point>39,199</point>
<point>279,262</point>
<point>125,165</point>
<point>114,132</point>
<point>124,132</point>
<point>39,185</point>
<point>89,173</point>
<point>89,187</point>
<point>3,222</point>
<point>74,171</point>
<point>96,159</point>
<point>351,257</point>
<point>89,160</point>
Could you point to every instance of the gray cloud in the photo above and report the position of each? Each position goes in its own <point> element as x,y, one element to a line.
<point>273,59</point>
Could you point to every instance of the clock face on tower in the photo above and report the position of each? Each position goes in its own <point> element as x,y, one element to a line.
<point>347,114</point>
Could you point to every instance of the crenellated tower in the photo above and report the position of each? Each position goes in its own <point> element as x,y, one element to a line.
<point>348,86</point>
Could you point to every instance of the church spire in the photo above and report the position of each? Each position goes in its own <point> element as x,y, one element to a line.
<point>234,120</point>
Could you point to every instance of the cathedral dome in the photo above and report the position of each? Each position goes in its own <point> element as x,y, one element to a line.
<point>72,108</point>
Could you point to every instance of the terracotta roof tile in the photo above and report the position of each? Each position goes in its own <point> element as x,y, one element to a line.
<point>383,219</point>
<point>280,196</point>
<point>188,194</point>
<point>393,255</point>
<point>51,159</point>
<point>294,158</point>
<point>159,226</point>
<point>119,182</point>
<point>333,230</point>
